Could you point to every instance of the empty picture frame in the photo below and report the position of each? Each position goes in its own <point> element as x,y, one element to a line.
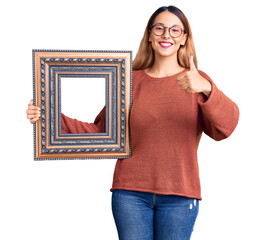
<point>85,99</point>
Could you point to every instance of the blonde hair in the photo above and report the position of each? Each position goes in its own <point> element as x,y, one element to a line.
<point>145,55</point>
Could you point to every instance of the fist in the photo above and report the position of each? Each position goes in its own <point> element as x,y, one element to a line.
<point>192,82</point>
<point>33,112</point>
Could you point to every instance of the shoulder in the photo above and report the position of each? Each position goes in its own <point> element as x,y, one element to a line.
<point>136,73</point>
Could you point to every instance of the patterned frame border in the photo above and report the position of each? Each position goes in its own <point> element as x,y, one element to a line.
<point>48,67</point>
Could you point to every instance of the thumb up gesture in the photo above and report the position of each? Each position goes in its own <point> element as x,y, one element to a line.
<point>192,82</point>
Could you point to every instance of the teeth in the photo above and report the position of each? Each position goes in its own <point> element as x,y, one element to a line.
<point>166,44</point>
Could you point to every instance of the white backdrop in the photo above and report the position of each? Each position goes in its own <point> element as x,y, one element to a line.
<point>83,98</point>
<point>71,199</point>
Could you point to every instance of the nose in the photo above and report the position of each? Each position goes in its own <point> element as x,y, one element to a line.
<point>166,33</point>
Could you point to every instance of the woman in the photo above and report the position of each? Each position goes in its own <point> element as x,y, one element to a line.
<point>156,192</point>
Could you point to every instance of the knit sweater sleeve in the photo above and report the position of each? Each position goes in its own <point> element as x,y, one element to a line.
<point>70,125</point>
<point>219,114</point>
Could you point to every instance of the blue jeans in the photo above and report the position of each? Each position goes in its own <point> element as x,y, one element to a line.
<point>148,216</point>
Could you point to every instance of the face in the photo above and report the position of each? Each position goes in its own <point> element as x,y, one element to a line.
<point>166,45</point>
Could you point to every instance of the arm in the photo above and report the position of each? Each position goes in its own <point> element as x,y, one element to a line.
<point>219,114</point>
<point>70,125</point>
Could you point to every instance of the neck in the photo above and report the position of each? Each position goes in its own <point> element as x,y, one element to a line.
<point>165,66</point>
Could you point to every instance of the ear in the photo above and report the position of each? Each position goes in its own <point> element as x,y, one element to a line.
<point>184,39</point>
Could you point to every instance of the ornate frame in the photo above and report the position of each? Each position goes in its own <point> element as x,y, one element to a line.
<point>116,68</point>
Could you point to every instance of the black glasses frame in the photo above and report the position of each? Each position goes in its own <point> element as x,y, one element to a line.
<point>164,28</point>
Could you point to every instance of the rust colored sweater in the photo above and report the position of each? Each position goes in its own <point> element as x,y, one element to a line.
<point>166,126</point>
<point>70,125</point>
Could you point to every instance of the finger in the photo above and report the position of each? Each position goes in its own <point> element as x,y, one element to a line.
<point>33,116</point>
<point>182,80</point>
<point>186,74</point>
<point>182,83</point>
<point>182,75</point>
<point>184,86</point>
<point>189,90</point>
<point>186,78</point>
<point>31,102</point>
<point>33,111</point>
<point>34,120</point>
<point>32,107</point>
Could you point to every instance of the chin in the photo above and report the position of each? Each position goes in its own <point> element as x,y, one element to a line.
<point>166,54</point>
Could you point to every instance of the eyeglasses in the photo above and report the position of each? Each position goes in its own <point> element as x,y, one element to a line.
<point>159,30</point>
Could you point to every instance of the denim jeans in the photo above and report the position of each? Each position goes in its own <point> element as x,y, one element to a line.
<point>148,216</point>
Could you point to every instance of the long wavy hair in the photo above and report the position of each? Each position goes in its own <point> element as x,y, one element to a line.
<point>145,55</point>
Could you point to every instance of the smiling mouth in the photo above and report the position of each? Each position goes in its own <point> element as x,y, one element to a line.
<point>165,44</point>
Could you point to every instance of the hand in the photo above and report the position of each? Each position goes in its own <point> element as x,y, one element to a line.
<point>33,112</point>
<point>192,82</point>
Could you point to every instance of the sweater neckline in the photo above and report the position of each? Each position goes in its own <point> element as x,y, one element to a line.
<point>162,78</point>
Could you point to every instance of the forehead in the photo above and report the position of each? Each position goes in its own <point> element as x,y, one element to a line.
<point>168,19</point>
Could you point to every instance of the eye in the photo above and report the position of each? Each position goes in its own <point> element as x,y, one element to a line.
<point>159,28</point>
<point>175,29</point>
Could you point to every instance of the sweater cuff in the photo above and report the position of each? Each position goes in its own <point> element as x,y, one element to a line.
<point>203,100</point>
<point>213,106</point>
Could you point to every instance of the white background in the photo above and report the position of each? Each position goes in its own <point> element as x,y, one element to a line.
<point>77,92</point>
<point>71,199</point>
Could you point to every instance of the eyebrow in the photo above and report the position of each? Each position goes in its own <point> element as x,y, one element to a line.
<point>172,26</point>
